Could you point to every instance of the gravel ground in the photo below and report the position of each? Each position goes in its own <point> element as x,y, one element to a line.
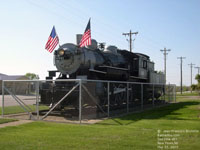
<point>15,123</point>
<point>10,101</point>
<point>50,118</point>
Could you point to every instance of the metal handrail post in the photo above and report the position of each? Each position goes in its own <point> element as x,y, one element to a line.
<point>2,98</point>
<point>164,91</point>
<point>153,95</point>
<point>80,101</point>
<point>141,96</point>
<point>127,97</point>
<point>108,96</point>
<point>168,92</point>
<point>37,99</point>
<point>175,93</point>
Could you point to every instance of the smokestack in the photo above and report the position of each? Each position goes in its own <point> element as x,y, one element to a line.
<point>78,38</point>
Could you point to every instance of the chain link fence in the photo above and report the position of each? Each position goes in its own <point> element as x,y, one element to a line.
<point>80,100</point>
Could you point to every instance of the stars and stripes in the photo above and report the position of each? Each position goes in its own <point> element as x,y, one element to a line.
<point>52,41</point>
<point>86,38</point>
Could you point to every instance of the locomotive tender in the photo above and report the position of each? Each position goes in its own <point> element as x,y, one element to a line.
<point>98,63</point>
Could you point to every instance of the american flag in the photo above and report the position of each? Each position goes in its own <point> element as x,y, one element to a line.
<point>86,38</point>
<point>52,41</point>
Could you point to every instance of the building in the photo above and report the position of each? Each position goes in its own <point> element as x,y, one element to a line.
<point>15,87</point>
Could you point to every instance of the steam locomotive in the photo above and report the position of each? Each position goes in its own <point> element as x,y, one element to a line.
<point>99,63</point>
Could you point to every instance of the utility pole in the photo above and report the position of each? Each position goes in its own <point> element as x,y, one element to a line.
<point>198,69</point>
<point>191,65</point>
<point>181,59</point>
<point>130,38</point>
<point>165,59</point>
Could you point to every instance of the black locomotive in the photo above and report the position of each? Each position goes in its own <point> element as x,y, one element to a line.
<point>99,63</point>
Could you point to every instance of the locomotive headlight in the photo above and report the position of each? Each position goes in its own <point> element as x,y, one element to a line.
<point>61,52</point>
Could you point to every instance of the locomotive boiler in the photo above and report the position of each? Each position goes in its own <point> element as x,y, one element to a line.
<point>99,63</point>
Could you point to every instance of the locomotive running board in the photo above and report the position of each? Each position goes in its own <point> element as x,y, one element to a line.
<point>138,77</point>
<point>60,101</point>
<point>117,68</point>
<point>97,71</point>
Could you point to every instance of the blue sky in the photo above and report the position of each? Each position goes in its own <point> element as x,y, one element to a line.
<point>26,24</point>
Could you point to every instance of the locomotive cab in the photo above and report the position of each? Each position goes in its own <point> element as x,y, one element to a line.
<point>143,61</point>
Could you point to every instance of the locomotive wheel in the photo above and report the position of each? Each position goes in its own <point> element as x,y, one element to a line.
<point>119,95</point>
<point>103,98</point>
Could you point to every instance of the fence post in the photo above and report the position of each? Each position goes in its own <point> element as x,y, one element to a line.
<point>108,96</point>
<point>175,93</point>
<point>141,96</point>
<point>14,88</point>
<point>172,91</point>
<point>153,95</point>
<point>127,97</point>
<point>164,92</point>
<point>37,98</point>
<point>168,92</point>
<point>80,99</point>
<point>2,98</point>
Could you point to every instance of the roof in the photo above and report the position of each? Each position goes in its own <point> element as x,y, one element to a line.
<point>140,54</point>
<point>10,77</point>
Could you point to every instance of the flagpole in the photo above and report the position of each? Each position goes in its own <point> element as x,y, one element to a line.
<point>57,36</point>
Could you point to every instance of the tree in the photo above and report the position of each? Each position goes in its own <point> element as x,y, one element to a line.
<point>196,86</point>
<point>31,85</point>
<point>32,76</point>
<point>198,78</point>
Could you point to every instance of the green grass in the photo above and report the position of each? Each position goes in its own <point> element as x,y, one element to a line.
<point>188,94</point>
<point>186,97</point>
<point>19,109</point>
<point>15,110</point>
<point>135,131</point>
<point>179,111</point>
<point>3,120</point>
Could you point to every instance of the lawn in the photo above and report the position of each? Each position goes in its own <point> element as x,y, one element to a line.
<point>19,109</point>
<point>15,110</point>
<point>5,120</point>
<point>135,131</point>
<point>194,93</point>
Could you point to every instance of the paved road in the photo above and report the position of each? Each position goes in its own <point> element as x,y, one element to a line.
<point>10,101</point>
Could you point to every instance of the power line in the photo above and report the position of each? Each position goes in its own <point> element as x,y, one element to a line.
<point>73,10</point>
<point>165,59</point>
<point>181,59</point>
<point>191,66</point>
<point>69,19</point>
<point>130,38</point>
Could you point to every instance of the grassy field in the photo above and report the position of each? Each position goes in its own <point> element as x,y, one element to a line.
<point>188,94</point>
<point>136,131</point>
<point>19,109</point>
<point>3,120</point>
<point>15,110</point>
